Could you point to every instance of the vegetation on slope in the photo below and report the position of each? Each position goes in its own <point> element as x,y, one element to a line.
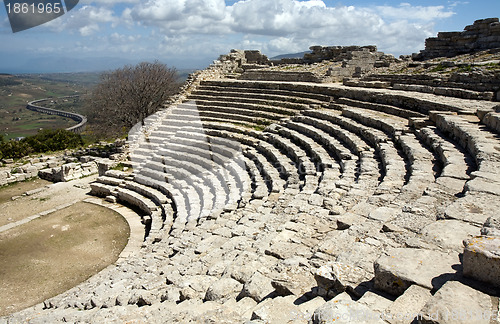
<point>45,141</point>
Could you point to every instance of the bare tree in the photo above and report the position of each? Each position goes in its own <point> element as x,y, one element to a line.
<point>128,95</point>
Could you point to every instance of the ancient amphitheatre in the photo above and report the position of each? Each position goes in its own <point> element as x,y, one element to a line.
<point>347,186</point>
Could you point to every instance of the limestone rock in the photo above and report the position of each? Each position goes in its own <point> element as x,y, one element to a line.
<point>335,277</point>
<point>222,289</point>
<point>491,227</point>
<point>277,310</point>
<point>342,309</point>
<point>375,301</point>
<point>258,287</point>
<point>407,306</point>
<point>473,208</point>
<point>449,234</point>
<point>457,303</point>
<point>384,214</point>
<point>402,267</point>
<point>481,259</point>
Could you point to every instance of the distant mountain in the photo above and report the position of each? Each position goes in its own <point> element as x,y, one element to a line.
<point>17,64</point>
<point>291,55</point>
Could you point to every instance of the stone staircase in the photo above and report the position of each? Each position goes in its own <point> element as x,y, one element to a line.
<point>275,202</point>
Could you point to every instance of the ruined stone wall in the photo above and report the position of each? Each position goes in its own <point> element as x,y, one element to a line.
<point>15,172</point>
<point>482,35</point>
<point>335,53</point>
<point>281,76</point>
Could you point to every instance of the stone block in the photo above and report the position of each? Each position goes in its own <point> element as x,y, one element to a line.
<point>277,310</point>
<point>403,267</point>
<point>258,287</point>
<point>223,289</point>
<point>407,306</point>
<point>457,303</point>
<point>342,309</point>
<point>449,234</point>
<point>335,277</point>
<point>491,227</point>
<point>481,259</point>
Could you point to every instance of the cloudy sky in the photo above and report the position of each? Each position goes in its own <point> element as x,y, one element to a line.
<point>192,33</point>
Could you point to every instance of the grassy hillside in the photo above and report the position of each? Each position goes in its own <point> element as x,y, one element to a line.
<point>16,91</point>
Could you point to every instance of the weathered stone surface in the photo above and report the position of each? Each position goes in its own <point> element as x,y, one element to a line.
<point>222,289</point>
<point>375,302</point>
<point>258,287</point>
<point>384,214</point>
<point>491,227</point>
<point>407,306</point>
<point>335,277</point>
<point>449,234</point>
<point>473,208</point>
<point>457,303</point>
<point>481,259</point>
<point>402,267</point>
<point>277,310</point>
<point>342,309</point>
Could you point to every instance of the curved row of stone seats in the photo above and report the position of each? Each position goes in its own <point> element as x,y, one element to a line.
<point>385,108</point>
<point>420,165</point>
<point>490,118</point>
<point>393,164</point>
<point>472,88</point>
<point>260,187</point>
<point>456,162</point>
<point>282,98</point>
<point>230,116</point>
<point>360,169</point>
<point>153,216</point>
<point>482,191</point>
<point>185,174</point>
<point>286,167</point>
<point>266,90</point>
<point>267,171</point>
<point>209,153</point>
<point>179,198</point>
<point>389,124</point>
<point>268,109</point>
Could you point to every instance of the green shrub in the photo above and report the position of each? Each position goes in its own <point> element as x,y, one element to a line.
<point>44,141</point>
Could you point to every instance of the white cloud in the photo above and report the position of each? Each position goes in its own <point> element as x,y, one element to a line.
<point>409,12</point>
<point>207,28</point>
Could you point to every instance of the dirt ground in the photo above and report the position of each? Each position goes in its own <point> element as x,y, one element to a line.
<point>54,253</point>
<point>50,197</point>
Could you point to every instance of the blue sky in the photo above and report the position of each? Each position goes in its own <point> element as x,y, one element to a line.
<point>100,34</point>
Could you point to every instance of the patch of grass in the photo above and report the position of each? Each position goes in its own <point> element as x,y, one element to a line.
<point>438,68</point>
<point>119,167</point>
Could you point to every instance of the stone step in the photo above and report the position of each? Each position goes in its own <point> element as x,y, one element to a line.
<point>240,109</point>
<point>456,162</point>
<point>391,110</point>
<point>447,91</point>
<point>264,88</point>
<point>393,163</point>
<point>283,163</point>
<point>268,171</point>
<point>379,120</point>
<point>261,190</point>
<point>273,106</point>
<point>295,152</point>
<point>316,151</point>
<point>421,165</point>
<point>492,120</point>
<point>282,96</point>
<point>221,117</point>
